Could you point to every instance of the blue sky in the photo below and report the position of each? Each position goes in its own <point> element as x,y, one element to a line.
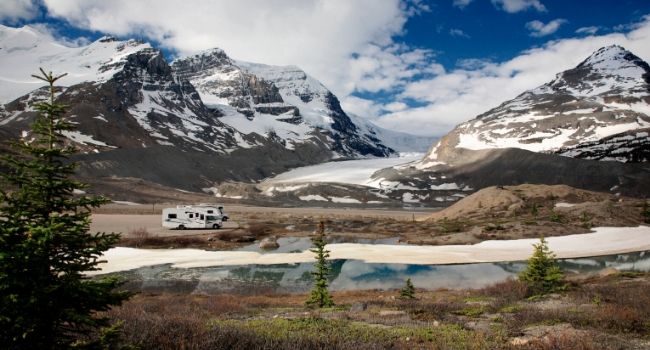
<point>495,34</point>
<point>411,65</point>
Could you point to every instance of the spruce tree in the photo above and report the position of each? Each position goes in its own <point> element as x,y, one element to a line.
<point>408,292</point>
<point>320,296</point>
<point>46,301</point>
<point>542,274</point>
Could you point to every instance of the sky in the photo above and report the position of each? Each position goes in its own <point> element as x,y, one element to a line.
<point>409,65</point>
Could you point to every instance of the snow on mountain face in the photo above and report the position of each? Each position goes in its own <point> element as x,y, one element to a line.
<point>605,95</point>
<point>25,49</point>
<point>109,82</point>
<point>399,141</point>
<point>281,102</point>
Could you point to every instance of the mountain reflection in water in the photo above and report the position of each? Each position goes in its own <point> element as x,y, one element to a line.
<point>352,275</point>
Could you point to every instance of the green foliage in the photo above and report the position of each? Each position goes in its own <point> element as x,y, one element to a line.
<point>299,333</point>
<point>586,219</point>
<point>320,296</point>
<point>45,299</point>
<point>534,210</point>
<point>449,226</point>
<point>556,217</point>
<point>472,311</point>
<point>542,275</point>
<point>408,292</point>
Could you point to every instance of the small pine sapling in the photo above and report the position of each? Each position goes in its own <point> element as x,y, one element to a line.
<point>542,274</point>
<point>408,292</point>
<point>320,296</point>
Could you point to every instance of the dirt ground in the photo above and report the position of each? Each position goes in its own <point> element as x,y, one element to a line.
<point>140,225</point>
<point>494,213</point>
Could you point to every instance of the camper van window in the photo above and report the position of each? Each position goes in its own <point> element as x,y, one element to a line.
<point>211,218</point>
<point>191,215</point>
<point>201,216</point>
<point>210,211</point>
<point>171,216</point>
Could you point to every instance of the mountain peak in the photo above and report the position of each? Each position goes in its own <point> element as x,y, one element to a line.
<point>611,57</point>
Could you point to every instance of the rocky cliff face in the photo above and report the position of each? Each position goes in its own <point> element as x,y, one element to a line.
<point>281,101</point>
<point>205,118</point>
<point>136,118</point>
<point>607,96</point>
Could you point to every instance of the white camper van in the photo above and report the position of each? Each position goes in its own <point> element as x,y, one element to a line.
<point>192,216</point>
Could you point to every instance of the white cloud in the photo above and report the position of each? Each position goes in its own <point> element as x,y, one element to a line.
<point>539,29</point>
<point>458,33</point>
<point>14,10</point>
<point>461,3</point>
<point>351,46</point>
<point>462,94</point>
<point>395,106</point>
<point>587,30</point>
<point>347,45</point>
<point>513,6</point>
<point>53,33</point>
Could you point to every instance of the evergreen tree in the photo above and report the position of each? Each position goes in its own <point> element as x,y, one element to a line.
<point>45,300</point>
<point>542,274</point>
<point>320,296</point>
<point>408,292</point>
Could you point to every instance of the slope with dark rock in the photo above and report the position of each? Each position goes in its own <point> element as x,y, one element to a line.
<point>605,95</point>
<point>283,102</point>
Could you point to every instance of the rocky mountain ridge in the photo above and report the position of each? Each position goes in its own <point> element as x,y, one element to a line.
<point>139,116</point>
<point>607,94</point>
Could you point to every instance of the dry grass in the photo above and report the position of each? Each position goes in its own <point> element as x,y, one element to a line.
<point>600,313</point>
<point>141,238</point>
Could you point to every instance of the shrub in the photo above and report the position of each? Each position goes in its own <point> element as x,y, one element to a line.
<point>542,274</point>
<point>408,292</point>
<point>556,217</point>
<point>259,230</point>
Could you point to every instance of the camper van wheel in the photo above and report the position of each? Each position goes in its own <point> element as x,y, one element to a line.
<point>216,226</point>
<point>181,227</point>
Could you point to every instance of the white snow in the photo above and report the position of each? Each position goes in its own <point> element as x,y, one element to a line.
<point>603,241</point>
<point>346,200</point>
<point>408,197</point>
<point>126,203</point>
<point>313,197</point>
<point>78,137</point>
<point>356,172</point>
<point>564,205</point>
<point>25,49</point>
<point>445,186</point>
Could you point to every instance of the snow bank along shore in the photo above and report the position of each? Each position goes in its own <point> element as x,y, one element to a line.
<point>603,241</point>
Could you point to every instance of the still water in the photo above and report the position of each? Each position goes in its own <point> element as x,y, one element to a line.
<point>351,274</point>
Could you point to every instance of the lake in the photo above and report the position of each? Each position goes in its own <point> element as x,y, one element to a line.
<point>352,275</point>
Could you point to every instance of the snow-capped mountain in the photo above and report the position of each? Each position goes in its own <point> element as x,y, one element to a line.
<point>24,50</point>
<point>203,119</point>
<point>121,94</point>
<point>606,97</point>
<point>282,101</point>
